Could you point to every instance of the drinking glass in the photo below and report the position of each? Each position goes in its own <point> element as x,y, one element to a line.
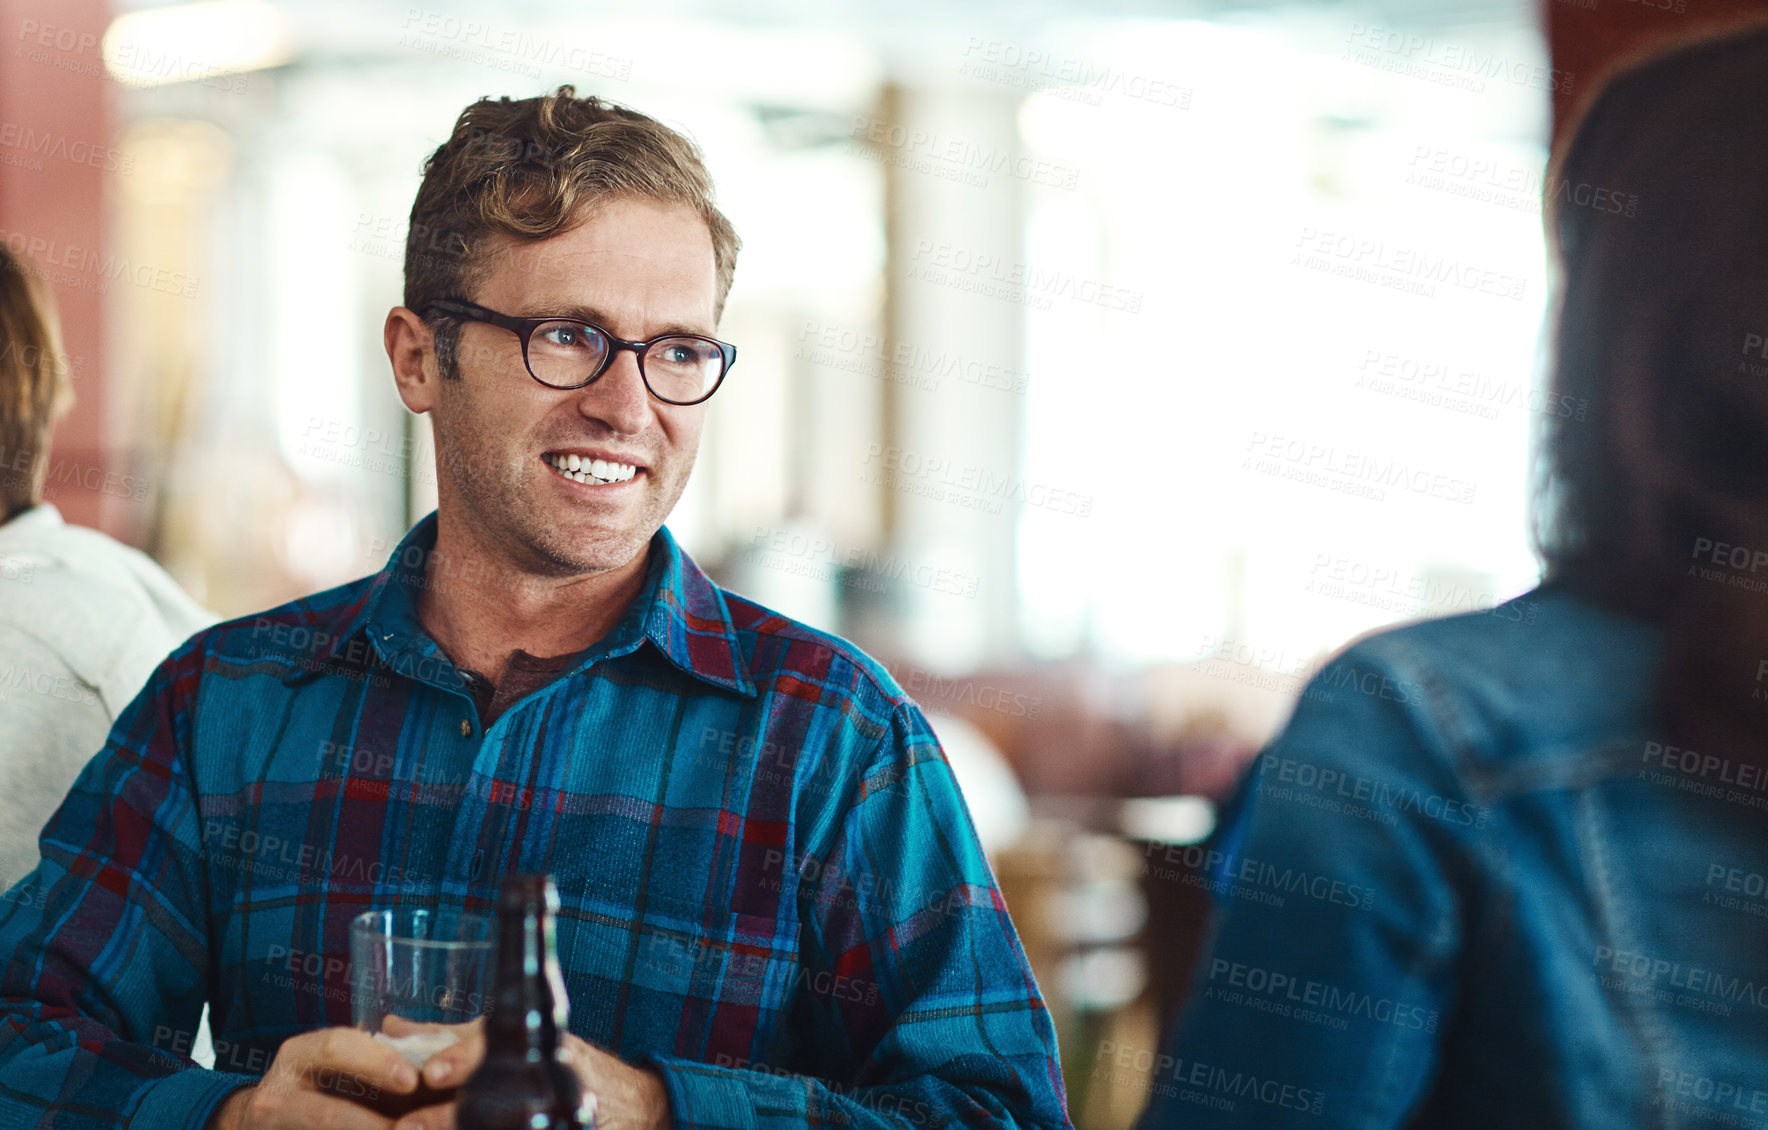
<point>415,971</point>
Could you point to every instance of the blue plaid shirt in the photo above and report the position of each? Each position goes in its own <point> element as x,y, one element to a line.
<point>770,889</point>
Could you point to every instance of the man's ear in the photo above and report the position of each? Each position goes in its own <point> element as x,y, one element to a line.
<point>412,351</point>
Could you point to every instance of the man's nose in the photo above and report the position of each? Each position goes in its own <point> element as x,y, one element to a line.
<point>618,398</point>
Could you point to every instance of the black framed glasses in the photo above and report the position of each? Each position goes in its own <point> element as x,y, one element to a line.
<point>565,353</point>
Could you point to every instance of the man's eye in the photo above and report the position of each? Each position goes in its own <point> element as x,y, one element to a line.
<point>566,335</point>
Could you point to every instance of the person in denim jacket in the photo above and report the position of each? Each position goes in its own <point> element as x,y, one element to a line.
<point>1507,869</point>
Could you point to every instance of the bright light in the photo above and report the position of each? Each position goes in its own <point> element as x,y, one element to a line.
<point>1168,819</point>
<point>191,42</point>
<point>1209,203</point>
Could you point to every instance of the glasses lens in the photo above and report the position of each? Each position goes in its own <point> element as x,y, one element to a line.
<point>565,353</point>
<point>683,368</point>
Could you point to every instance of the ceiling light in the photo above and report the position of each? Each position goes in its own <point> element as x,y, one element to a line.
<point>191,42</point>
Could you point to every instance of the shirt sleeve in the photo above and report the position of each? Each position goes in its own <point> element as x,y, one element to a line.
<point>105,943</point>
<point>919,1007</point>
<point>1339,882</point>
<point>51,722</point>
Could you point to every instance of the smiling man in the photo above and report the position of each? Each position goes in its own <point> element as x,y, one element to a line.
<point>562,457</point>
<point>774,912</point>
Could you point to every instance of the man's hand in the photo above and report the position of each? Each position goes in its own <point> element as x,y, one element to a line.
<point>321,1080</point>
<point>626,1097</point>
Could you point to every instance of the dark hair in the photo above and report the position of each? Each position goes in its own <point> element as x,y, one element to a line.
<point>533,168</point>
<point>1655,500</point>
<point>34,385</point>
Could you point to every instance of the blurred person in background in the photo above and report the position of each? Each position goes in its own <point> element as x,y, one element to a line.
<point>1507,868</point>
<point>775,911</point>
<point>83,618</point>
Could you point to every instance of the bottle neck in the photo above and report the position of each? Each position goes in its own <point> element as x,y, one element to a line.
<point>529,1012</point>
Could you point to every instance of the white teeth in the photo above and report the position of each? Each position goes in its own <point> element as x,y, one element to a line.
<point>592,471</point>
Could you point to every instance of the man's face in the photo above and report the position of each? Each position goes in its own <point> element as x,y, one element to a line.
<point>638,269</point>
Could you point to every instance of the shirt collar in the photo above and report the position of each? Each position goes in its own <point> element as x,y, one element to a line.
<point>679,610</point>
<point>686,617</point>
<point>43,515</point>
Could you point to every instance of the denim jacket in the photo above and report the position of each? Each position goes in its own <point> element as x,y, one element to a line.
<point>1468,885</point>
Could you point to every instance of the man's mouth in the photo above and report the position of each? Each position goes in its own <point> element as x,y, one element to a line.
<point>590,472</point>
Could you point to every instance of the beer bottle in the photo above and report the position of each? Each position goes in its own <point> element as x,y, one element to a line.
<point>522,1082</point>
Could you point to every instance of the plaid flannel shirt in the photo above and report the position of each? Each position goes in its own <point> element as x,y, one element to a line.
<point>771,892</point>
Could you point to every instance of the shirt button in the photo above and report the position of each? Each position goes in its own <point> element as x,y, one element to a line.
<point>466,728</point>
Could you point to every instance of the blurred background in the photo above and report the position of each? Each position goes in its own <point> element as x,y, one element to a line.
<point>1104,365</point>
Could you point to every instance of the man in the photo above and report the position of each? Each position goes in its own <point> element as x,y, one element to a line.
<point>774,911</point>
<point>84,619</point>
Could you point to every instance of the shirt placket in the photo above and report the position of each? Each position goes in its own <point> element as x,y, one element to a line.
<point>454,729</point>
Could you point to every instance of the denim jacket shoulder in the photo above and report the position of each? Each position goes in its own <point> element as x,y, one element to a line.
<point>1466,880</point>
<point>1538,692</point>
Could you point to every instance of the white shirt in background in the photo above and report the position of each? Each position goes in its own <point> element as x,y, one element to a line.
<point>84,620</point>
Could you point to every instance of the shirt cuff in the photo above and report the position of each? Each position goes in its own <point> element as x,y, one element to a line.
<point>186,1100</point>
<point>704,1096</point>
